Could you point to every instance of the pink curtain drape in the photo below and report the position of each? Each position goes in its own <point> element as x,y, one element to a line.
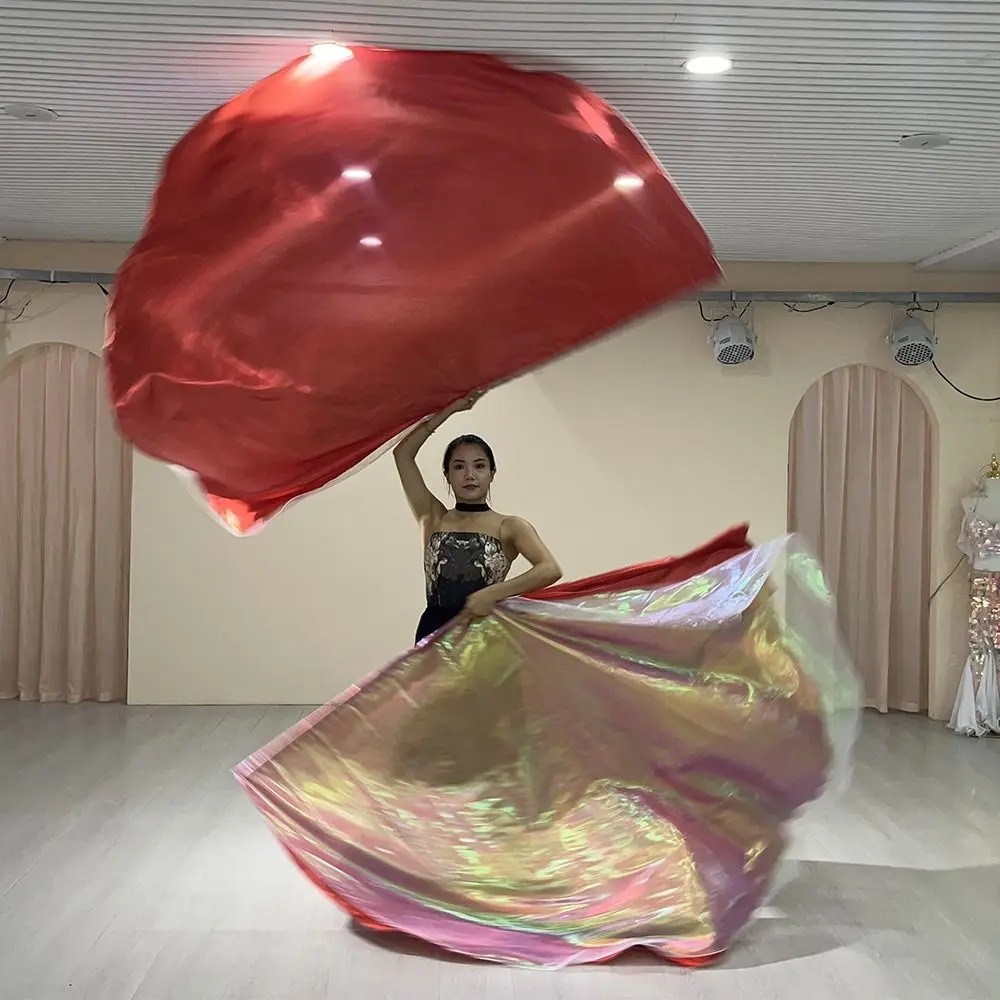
<point>859,490</point>
<point>65,508</point>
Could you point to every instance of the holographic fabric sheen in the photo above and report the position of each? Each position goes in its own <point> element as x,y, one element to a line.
<point>577,776</point>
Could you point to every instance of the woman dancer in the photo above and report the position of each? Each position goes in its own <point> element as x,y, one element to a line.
<point>469,549</point>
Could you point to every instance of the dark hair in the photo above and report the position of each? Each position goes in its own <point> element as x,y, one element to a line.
<point>476,441</point>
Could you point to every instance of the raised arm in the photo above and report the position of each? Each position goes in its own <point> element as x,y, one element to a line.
<point>422,502</point>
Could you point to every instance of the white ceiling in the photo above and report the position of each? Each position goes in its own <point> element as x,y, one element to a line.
<point>791,156</point>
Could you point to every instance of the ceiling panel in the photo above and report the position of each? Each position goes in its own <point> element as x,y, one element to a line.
<point>791,156</point>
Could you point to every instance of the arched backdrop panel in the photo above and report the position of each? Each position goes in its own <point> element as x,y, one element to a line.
<point>860,489</point>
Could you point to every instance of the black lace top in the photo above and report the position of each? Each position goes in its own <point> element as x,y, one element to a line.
<point>458,563</point>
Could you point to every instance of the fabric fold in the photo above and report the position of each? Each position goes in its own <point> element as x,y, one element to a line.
<point>607,764</point>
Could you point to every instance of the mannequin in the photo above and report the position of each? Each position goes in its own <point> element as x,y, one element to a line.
<point>977,706</point>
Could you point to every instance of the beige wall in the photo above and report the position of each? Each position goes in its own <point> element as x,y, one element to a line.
<point>637,447</point>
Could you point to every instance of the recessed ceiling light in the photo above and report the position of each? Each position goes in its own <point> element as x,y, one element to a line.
<point>628,182</point>
<point>29,113</point>
<point>708,65</point>
<point>357,174</point>
<point>925,140</point>
<point>370,241</point>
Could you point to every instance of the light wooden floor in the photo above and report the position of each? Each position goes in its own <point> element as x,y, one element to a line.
<point>132,866</point>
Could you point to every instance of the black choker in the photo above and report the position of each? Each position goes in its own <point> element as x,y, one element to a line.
<point>472,508</point>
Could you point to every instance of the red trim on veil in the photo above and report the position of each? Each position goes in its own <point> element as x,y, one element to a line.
<point>651,575</point>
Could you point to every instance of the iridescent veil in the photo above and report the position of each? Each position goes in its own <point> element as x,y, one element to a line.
<point>608,764</point>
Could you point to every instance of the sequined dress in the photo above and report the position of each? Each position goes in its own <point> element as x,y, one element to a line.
<point>977,705</point>
<point>457,564</point>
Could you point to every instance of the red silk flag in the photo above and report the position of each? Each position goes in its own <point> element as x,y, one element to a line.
<point>364,237</point>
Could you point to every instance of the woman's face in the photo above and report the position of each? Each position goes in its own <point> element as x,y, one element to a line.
<point>469,473</point>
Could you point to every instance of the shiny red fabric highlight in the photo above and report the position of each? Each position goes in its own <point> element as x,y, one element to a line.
<point>348,247</point>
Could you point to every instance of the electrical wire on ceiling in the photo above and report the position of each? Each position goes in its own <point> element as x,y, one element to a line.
<point>797,308</point>
<point>920,307</point>
<point>24,304</point>
<point>19,315</point>
<point>962,392</point>
<point>716,319</point>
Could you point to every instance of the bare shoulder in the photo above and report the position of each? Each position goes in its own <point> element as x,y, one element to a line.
<point>510,525</point>
<point>519,532</point>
